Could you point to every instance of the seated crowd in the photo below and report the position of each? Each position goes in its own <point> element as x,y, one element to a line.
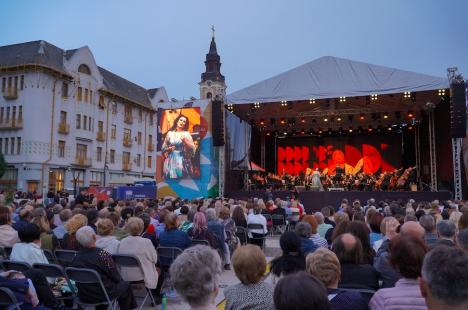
<point>377,256</point>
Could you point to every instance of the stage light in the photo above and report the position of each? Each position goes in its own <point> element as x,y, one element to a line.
<point>285,133</point>
<point>389,128</point>
<point>441,92</point>
<point>320,131</point>
<point>262,122</point>
<point>230,107</point>
<point>282,121</point>
<point>369,129</point>
<point>410,114</point>
<point>407,94</point>
<point>268,133</point>
<point>385,116</point>
<point>338,119</point>
<point>303,120</point>
<point>350,129</point>
<point>325,119</point>
<point>343,99</point>
<point>410,127</point>
<point>374,97</point>
<point>256,105</point>
<point>361,117</point>
<point>311,101</point>
<point>303,132</point>
<point>284,103</point>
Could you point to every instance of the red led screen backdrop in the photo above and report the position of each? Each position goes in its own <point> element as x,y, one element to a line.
<point>368,154</point>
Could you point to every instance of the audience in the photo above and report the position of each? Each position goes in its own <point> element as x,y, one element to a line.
<point>325,266</point>
<point>217,229</point>
<point>195,275</point>
<point>300,291</point>
<point>29,248</point>
<point>144,250</point>
<point>8,235</point>
<point>430,234</point>
<point>105,239</point>
<point>199,230</point>
<point>355,272</point>
<point>374,224</point>
<point>446,230</point>
<point>60,230</point>
<point>360,230</point>
<point>406,256</point>
<point>69,241</point>
<point>292,259</point>
<point>315,237</point>
<point>249,265</point>
<point>322,227</point>
<point>239,217</point>
<point>462,240</point>
<point>48,240</point>
<point>91,257</point>
<point>229,228</point>
<point>304,230</point>
<point>444,279</point>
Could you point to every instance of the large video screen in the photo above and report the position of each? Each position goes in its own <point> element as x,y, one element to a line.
<point>369,154</point>
<point>180,143</point>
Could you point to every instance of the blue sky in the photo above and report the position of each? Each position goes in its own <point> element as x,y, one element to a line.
<point>163,43</point>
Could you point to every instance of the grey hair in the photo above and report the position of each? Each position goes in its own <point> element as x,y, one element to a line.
<point>319,217</point>
<point>303,229</point>
<point>427,222</point>
<point>463,239</point>
<point>446,229</point>
<point>196,274</point>
<point>210,214</point>
<point>445,270</point>
<point>85,236</point>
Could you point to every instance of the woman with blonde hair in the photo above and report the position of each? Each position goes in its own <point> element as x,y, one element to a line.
<point>48,241</point>
<point>144,250</point>
<point>69,241</point>
<point>105,239</point>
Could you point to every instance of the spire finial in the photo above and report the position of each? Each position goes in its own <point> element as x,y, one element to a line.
<point>213,30</point>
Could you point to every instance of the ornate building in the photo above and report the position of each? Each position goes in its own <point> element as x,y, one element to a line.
<point>212,81</point>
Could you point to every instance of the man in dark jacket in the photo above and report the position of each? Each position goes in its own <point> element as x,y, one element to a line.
<point>99,260</point>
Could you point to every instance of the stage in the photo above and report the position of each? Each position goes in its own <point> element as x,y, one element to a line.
<point>314,201</point>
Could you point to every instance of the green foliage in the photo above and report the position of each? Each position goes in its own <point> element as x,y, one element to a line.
<point>3,165</point>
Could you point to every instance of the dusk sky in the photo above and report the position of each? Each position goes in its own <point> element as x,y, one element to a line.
<point>163,43</point>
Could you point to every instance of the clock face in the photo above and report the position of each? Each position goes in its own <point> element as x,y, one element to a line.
<point>208,83</point>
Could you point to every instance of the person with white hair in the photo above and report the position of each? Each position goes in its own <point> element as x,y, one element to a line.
<point>322,227</point>
<point>91,257</point>
<point>196,275</point>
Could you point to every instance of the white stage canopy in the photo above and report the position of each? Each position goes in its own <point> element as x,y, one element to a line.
<point>332,77</point>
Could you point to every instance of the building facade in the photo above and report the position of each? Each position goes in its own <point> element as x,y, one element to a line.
<point>65,122</point>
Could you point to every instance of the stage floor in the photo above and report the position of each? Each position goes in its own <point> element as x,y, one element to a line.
<point>314,201</point>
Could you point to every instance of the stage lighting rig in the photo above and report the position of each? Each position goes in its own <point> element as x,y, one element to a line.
<point>374,97</point>
<point>311,101</point>
<point>385,116</point>
<point>441,92</point>
<point>342,99</point>
<point>284,103</point>
<point>325,119</point>
<point>338,119</point>
<point>410,114</point>
<point>362,117</point>
<point>407,94</point>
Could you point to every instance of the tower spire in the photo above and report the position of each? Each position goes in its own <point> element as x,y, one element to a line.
<point>212,81</point>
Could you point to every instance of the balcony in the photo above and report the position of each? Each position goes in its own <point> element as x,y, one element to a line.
<point>10,93</point>
<point>83,161</point>
<point>64,128</point>
<point>101,136</point>
<point>128,119</point>
<point>150,147</point>
<point>126,166</point>
<point>127,142</point>
<point>11,124</point>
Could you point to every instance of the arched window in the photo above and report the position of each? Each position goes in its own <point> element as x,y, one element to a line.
<point>84,69</point>
<point>209,95</point>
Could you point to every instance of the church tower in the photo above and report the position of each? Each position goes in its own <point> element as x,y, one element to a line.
<point>212,81</point>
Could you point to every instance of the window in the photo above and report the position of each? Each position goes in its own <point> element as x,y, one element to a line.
<point>12,146</point>
<point>85,95</point>
<point>114,108</point>
<point>151,119</point>
<point>126,158</point>
<point>79,94</point>
<point>112,156</point>
<point>6,146</point>
<point>84,69</point>
<point>9,83</point>
<point>16,82</point>
<point>63,117</point>
<point>138,160</point>
<point>140,115</point>
<point>20,113</point>
<point>61,148</point>
<point>127,134</point>
<point>22,82</point>
<point>139,137</point>
<point>113,131</point>
<point>64,90</point>
<point>101,102</point>
<point>150,159</point>
<point>150,139</point>
<point>2,111</point>
<point>1,145</point>
<point>128,113</point>
<point>81,150</point>
<point>13,113</point>
<point>90,123</point>
<point>99,153</point>
<point>18,145</point>
<point>78,121</point>
<point>100,125</point>
<point>91,96</point>
<point>7,114</point>
<point>3,84</point>
<point>85,121</point>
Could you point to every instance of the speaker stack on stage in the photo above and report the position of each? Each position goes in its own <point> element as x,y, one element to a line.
<point>458,108</point>
<point>217,121</point>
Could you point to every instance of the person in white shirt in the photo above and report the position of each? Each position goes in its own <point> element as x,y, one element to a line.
<point>257,218</point>
<point>29,249</point>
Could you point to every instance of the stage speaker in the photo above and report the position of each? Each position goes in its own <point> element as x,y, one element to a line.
<point>217,121</point>
<point>458,108</point>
